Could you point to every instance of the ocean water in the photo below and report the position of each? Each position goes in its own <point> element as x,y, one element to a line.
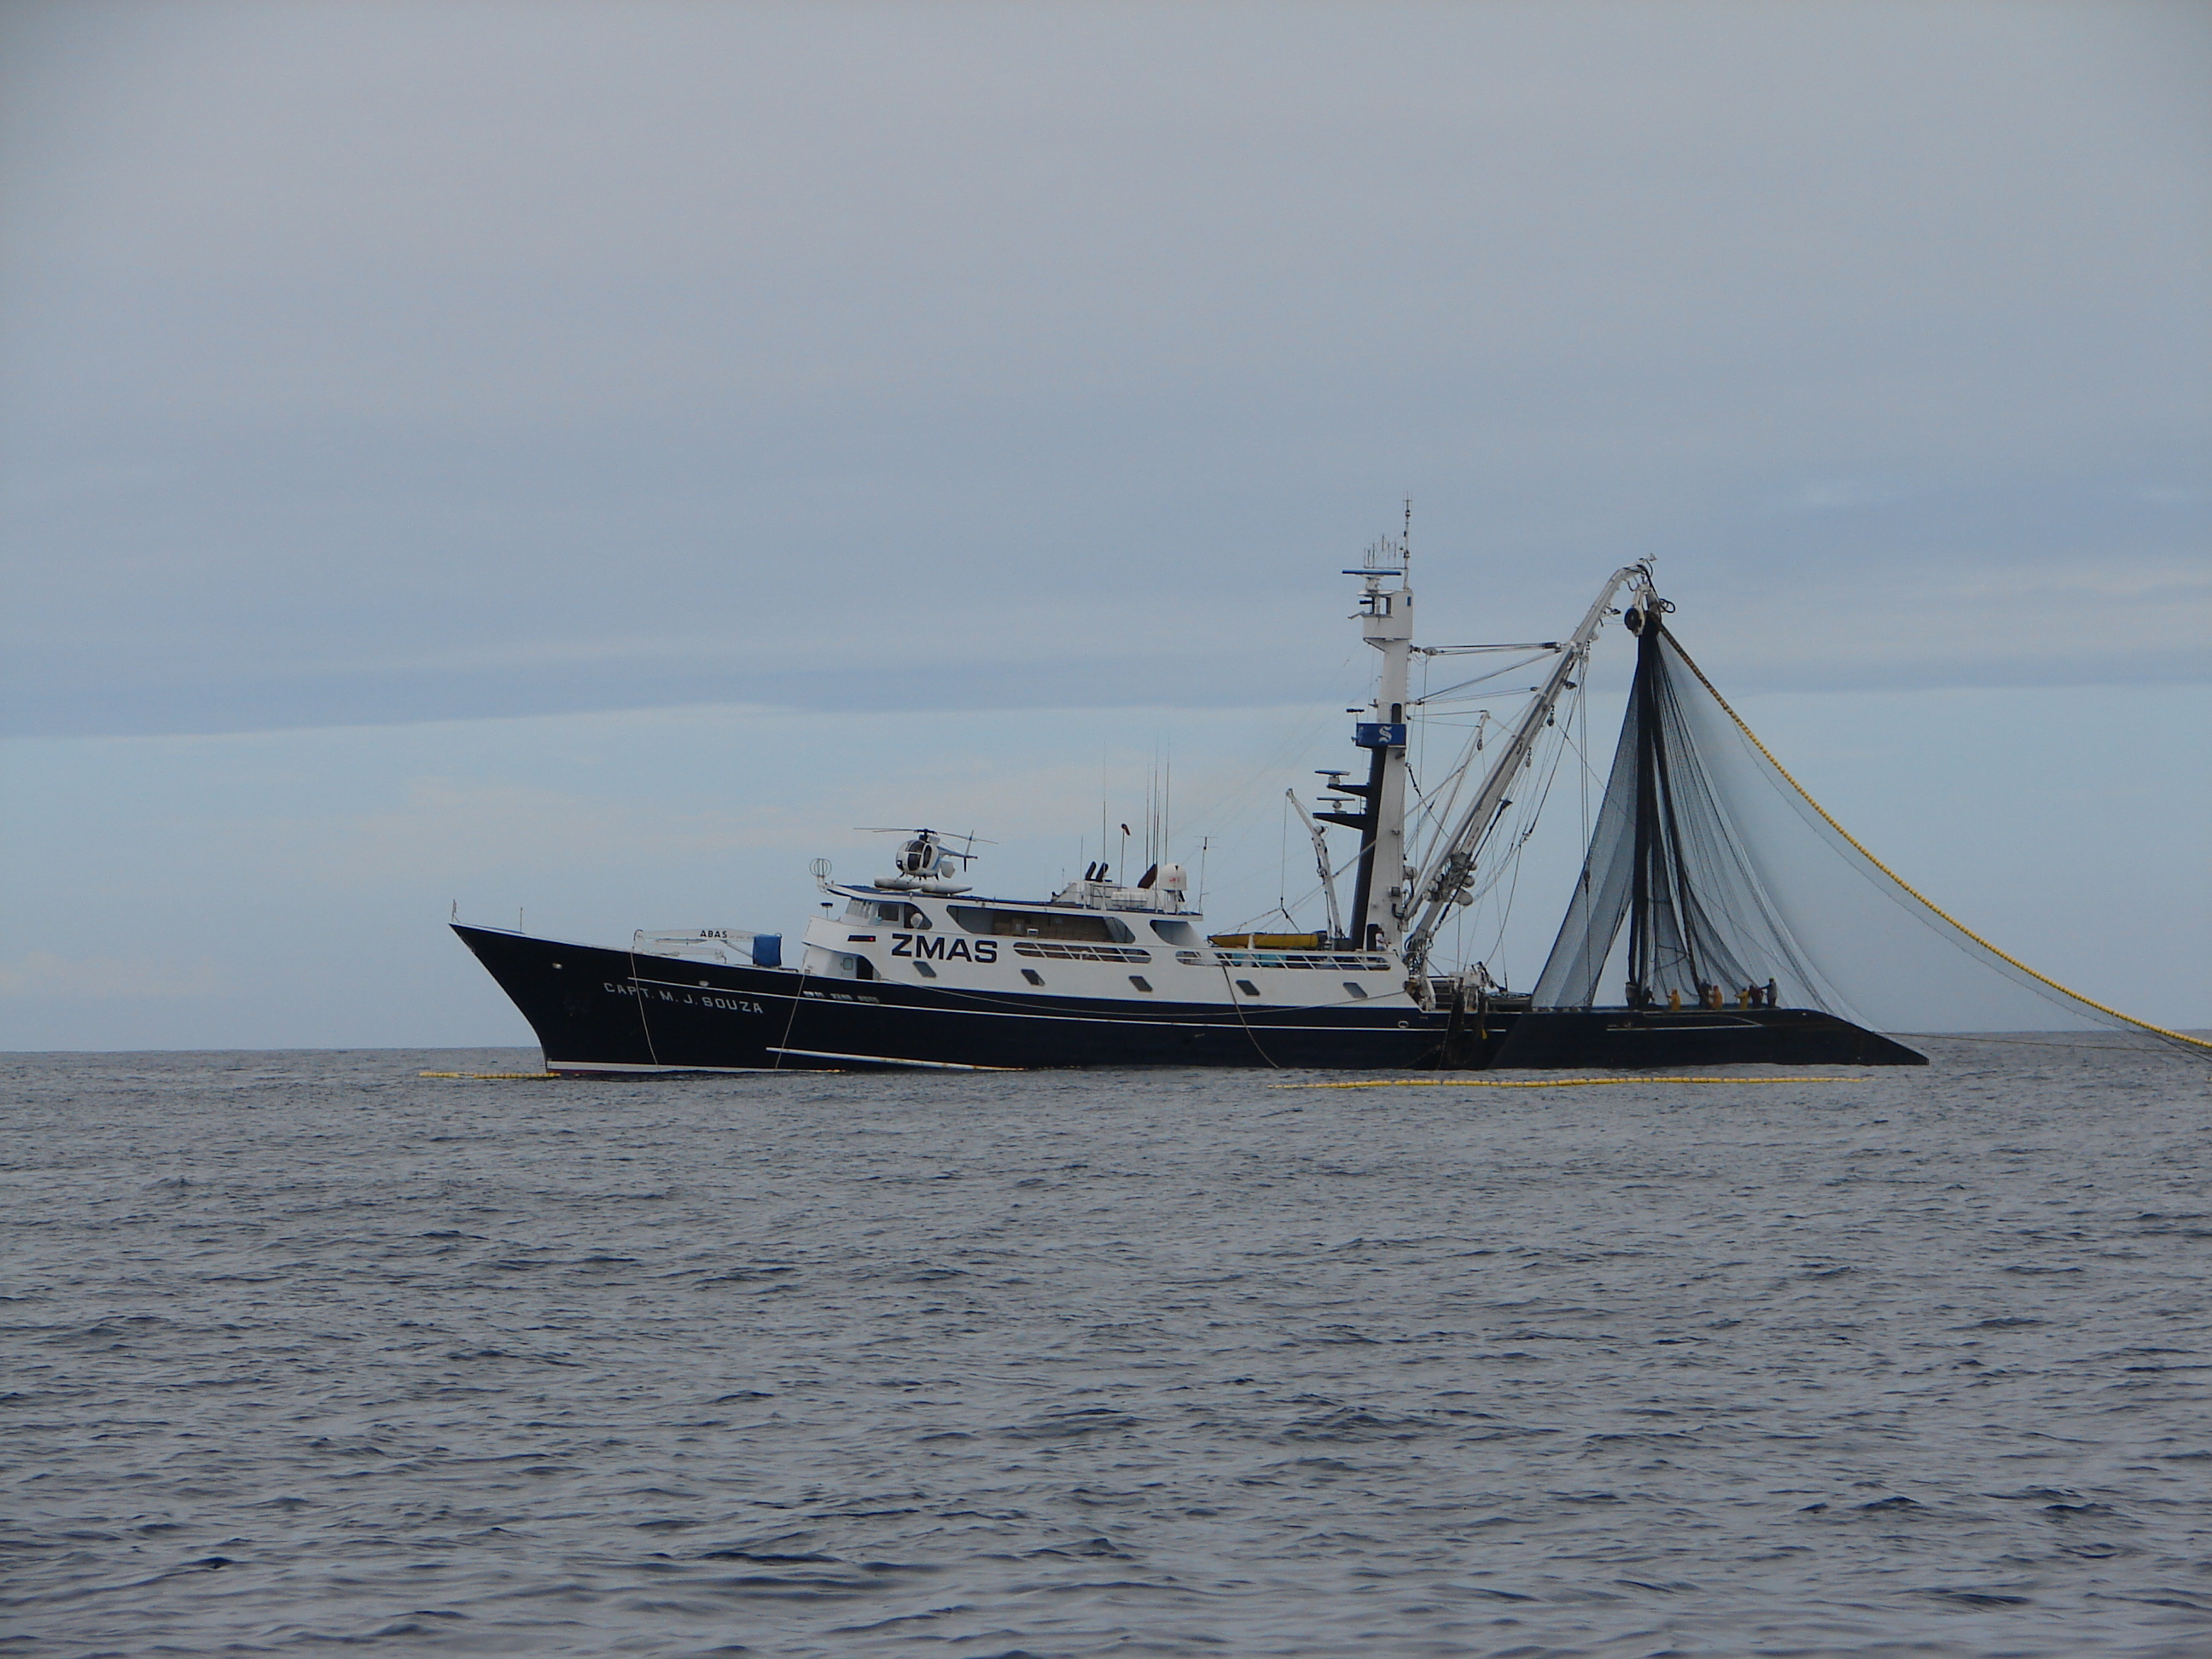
<point>306,1352</point>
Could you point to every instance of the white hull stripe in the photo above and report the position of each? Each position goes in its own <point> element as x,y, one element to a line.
<point>629,1065</point>
<point>885,1059</point>
<point>641,1068</point>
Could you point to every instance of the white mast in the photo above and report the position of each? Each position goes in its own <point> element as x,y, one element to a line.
<point>1386,621</point>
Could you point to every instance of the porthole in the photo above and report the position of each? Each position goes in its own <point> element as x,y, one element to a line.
<point>1140,981</point>
<point>1247,987</point>
<point>925,970</point>
<point>1357,990</point>
<point>1032,975</point>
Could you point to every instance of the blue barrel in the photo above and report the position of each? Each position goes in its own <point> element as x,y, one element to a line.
<point>768,949</point>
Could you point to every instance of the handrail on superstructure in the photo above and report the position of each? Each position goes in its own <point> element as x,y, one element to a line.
<point>1451,863</point>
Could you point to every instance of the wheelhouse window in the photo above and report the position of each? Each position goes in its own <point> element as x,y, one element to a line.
<point>1086,926</point>
<point>895,912</point>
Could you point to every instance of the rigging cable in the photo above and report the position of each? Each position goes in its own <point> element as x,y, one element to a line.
<point>792,1018</point>
<point>1222,962</point>
<point>1526,818</point>
<point>637,987</point>
<point>2089,1002</point>
<point>1582,766</point>
<point>1450,691</point>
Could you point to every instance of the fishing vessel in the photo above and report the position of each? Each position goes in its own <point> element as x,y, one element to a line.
<point>915,967</point>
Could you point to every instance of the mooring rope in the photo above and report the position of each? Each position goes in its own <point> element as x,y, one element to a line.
<point>1274,1064</point>
<point>637,989</point>
<point>2067,991</point>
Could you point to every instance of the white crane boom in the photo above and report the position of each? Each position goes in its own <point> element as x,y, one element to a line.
<point>1321,863</point>
<point>1451,861</point>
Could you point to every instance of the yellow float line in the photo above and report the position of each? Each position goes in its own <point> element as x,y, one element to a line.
<point>1543,1083</point>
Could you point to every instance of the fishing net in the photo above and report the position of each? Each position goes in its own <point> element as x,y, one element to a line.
<point>1709,868</point>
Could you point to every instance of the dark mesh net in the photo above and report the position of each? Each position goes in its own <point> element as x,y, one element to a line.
<point>1709,870</point>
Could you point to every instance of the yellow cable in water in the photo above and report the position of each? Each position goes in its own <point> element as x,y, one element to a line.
<point>2086,1002</point>
<point>1541,1082</point>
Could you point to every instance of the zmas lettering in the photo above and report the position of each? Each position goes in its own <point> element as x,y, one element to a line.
<point>943,950</point>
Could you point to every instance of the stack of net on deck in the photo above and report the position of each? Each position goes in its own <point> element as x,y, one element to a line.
<point>1708,866</point>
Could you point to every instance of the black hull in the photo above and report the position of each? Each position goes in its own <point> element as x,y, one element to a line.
<point>610,1011</point>
<point>607,1011</point>
<point>1630,1039</point>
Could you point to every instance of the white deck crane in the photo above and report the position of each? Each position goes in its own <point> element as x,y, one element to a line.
<point>1322,864</point>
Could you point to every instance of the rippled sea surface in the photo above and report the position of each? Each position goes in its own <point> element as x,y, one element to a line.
<point>303,1350</point>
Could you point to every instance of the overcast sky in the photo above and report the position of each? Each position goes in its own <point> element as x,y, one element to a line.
<point>372,364</point>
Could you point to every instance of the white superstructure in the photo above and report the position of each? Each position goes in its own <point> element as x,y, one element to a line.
<point>1092,940</point>
<point>1096,939</point>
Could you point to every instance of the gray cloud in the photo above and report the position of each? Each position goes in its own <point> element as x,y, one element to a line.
<point>403,363</point>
